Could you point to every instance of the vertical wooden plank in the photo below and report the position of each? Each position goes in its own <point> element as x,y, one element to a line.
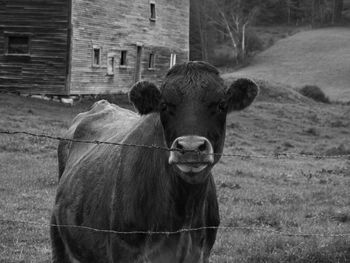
<point>69,48</point>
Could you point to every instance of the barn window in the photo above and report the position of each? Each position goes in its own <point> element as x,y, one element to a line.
<point>123,54</point>
<point>110,64</point>
<point>172,59</point>
<point>151,60</point>
<point>18,45</point>
<point>96,56</point>
<point>153,11</point>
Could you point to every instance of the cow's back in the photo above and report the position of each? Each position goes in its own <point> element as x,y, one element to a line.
<point>102,122</point>
<point>84,191</point>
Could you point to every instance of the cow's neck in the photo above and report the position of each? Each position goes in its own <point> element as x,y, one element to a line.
<point>161,197</point>
<point>189,202</point>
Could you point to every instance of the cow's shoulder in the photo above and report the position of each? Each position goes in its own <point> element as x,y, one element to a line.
<point>102,121</point>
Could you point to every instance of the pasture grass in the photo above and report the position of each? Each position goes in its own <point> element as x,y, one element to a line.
<point>267,202</point>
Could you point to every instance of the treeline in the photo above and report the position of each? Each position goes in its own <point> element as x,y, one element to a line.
<point>213,21</point>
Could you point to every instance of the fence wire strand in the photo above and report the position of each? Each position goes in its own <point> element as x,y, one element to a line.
<point>155,147</point>
<point>275,155</point>
<point>183,230</point>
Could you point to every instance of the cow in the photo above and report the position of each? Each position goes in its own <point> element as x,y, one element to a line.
<point>139,201</point>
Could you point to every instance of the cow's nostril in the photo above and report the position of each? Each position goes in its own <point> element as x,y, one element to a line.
<point>179,146</point>
<point>193,150</point>
<point>202,147</point>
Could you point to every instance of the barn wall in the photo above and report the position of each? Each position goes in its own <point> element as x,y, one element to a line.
<point>116,25</point>
<point>44,69</point>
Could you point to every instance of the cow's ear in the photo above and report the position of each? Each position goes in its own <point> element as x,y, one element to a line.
<point>145,96</point>
<point>241,94</point>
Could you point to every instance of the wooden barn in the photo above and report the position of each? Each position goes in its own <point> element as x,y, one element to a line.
<point>66,47</point>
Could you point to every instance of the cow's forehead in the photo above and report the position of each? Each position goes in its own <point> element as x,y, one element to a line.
<point>199,87</point>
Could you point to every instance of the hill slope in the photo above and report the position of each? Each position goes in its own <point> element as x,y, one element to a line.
<point>319,57</point>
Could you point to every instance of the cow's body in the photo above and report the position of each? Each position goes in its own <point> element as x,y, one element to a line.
<point>110,198</point>
<point>129,188</point>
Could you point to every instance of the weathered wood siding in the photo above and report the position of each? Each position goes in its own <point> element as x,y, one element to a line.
<point>116,25</point>
<point>44,69</point>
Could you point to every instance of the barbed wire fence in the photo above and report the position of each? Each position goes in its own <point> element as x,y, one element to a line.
<point>277,155</point>
<point>183,230</point>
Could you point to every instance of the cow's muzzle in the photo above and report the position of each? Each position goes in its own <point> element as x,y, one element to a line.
<point>191,154</point>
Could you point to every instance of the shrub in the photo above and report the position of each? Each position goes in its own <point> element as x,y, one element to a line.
<point>253,42</point>
<point>223,60</point>
<point>315,93</point>
<point>225,56</point>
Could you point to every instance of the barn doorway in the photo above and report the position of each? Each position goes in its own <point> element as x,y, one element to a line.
<point>138,63</point>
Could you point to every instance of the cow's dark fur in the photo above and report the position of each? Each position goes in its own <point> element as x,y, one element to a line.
<point>136,189</point>
<point>146,95</point>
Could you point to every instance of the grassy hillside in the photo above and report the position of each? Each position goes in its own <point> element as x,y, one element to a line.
<point>318,57</point>
<point>297,195</point>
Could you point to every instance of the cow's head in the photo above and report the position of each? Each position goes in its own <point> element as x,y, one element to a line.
<point>193,103</point>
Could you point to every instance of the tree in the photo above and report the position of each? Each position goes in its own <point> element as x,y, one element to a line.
<point>198,30</point>
<point>337,11</point>
<point>232,18</point>
<point>326,12</point>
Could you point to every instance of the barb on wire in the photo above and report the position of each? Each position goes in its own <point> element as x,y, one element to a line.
<point>184,230</point>
<point>58,138</point>
<point>155,147</point>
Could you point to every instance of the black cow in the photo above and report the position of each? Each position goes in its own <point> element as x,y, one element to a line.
<point>124,188</point>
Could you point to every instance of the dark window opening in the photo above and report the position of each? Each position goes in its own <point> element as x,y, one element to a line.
<point>110,65</point>
<point>138,63</point>
<point>96,56</point>
<point>153,11</point>
<point>18,45</point>
<point>151,60</point>
<point>123,58</point>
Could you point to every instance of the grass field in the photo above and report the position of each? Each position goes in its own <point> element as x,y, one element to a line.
<point>318,57</point>
<point>297,195</point>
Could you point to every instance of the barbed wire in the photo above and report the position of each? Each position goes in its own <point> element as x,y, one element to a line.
<point>276,155</point>
<point>183,230</point>
<point>84,141</point>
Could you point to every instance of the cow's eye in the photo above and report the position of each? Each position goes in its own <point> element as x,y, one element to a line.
<point>222,106</point>
<point>163,106</point>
